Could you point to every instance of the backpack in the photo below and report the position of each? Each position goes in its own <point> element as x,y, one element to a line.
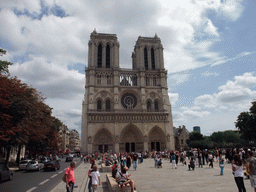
<point>64,176</point>
<point>114,171</point>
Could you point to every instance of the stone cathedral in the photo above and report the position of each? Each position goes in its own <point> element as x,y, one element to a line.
<point>126,110</point>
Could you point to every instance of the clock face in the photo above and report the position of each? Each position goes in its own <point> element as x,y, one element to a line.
<point>129,101</point>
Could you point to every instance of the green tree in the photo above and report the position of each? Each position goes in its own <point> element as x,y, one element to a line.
<point>227,138</point>
<point>4,64</point>
<point>196,140</point>
<point>246,124</point>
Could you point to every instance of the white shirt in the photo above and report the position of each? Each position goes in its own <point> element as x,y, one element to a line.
<point>239,171</point>
<point>95,177</point>
<point>118,175</point>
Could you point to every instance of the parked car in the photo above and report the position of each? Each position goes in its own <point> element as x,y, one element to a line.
<point>23,164</point>
<point>35,165</point>
<point>51,165</point>
<point>45,159</point>
<point>5,173</point>
<point>69,159</point>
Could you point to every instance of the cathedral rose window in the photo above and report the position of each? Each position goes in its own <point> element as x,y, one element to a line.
<point>129,101</point>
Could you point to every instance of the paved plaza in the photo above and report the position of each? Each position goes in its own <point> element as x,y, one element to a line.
<point>150,179</point>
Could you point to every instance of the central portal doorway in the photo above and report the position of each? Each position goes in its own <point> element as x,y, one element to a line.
<point>155,146</point>
<point>103,148</point>
<point>129,147</point>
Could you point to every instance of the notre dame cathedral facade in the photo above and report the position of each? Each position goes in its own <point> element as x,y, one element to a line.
<point>126,109</point>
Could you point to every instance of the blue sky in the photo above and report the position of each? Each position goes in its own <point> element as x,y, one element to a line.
<point>209,52</point>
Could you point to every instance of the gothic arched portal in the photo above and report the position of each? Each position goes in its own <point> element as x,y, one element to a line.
<point>103,141</point>
<point>131,139</point>
<point>156,139</point>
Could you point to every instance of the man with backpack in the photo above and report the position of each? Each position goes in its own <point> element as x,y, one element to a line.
<point>251,169</point>
<point>70,177</point>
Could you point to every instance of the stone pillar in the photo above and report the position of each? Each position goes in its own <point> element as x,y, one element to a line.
<point>145,146</point>
<point>116,147</point>
<point>89,148</point>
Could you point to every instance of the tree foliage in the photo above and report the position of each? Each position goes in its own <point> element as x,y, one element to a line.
<point>226,139</point>
<point>25,118</point>
<point>246,124</point>
<point>4,64</point>
<point>197,140</point>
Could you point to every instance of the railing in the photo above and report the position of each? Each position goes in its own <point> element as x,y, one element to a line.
<point>126,111</point>
<point>127,117</point>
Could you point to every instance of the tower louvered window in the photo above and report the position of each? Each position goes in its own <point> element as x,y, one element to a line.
<point>108,56</point>
<point>153,59</point>
<point>146,58</point>
<point>99,56</point>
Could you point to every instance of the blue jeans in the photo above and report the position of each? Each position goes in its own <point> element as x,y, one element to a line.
<point>221,170</point>
<point>90,185</point>
<point>155,163</point>
<point>71,187</point>
<point>135,164</point>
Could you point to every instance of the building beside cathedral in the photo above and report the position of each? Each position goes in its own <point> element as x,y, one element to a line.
<point>126,109</point>
<point>181,135</point>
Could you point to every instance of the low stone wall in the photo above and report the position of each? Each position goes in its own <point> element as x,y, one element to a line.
<point>105,168</point>
<point>113,186</point>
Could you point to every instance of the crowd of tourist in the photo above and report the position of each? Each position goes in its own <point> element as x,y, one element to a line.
<point>242,161</point>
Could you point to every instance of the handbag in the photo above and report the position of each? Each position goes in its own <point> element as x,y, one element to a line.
<point>64,176</point>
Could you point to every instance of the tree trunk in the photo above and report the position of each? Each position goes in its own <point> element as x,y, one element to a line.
<point>8,149</point>
<point>18,155</point>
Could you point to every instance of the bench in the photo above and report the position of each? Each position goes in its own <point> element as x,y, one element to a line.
<point>113,186</point>
<point>105,168</point>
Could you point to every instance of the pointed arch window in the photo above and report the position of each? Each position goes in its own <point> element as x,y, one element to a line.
<point>156,106</point>
<point>154,81</point>
<point>108,79</point>
<point>99,105</point>
<point>146,58</point>
<point>108,56</point>
<point>153,59</point>
<point>99,56</point>
<point>108,105</point>
<point>148,106</point>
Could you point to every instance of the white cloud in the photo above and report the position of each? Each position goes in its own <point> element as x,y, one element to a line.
<point>24,5</point>
<point>233,97</point>
<point>207,74</point>
<point>52,79</point>
<point>173,98</point>
<point>225,59</point>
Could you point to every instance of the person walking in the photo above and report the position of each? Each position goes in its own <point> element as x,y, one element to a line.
<point>156,159</point>
<point>70,177</point>
<point>173,158</point>
<point>128,161</point>
<point>95,178</point>
<point>210,156</point>
<point>221,164</point>
<point>237,168</point>
<point>251,169</point>
<point>135,161</point>
<point>92,162</point>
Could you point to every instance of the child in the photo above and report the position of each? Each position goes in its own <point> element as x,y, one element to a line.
<point>191,164</point>
<point>95,178</point>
